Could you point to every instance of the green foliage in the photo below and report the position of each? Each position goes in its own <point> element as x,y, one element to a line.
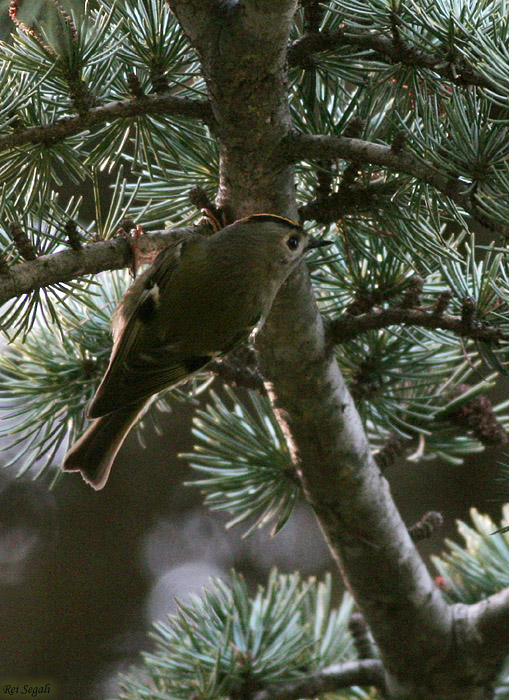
<point>404,378</point>
<point>225,641</point>
<point>480,567</point>
<point>242,449</point>
<point>43,225</point>
<point>477,569</point>
<point>46,381</point>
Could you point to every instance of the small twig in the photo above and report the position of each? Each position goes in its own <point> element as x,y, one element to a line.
<point>347,199</point>
<point>413,293</point>
<point>397,41</point>
<point>399,141</point>
<point>134,85</point>
<point>73,236</point>
<point>347,326</point>
<point>132,107</point>
<point>363,302</point>
<point>468,307</point>
<point>476,415</point>
<point>313,12</point>
<point>323,147</point>
<point>324,180</point>
<point>367,382</point>
<point>368,672</point>
<point>21,240</point>
<point>393,449</point>
<point>425,528</point>
<point>361,638</point>
<point>442,302</point>
<point>302,50</point>
<point>354,128</point>
<point>159,79</point>
<point>237,373</point>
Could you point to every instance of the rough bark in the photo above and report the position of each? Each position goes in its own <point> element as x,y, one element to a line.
<point>320,146</point>
<point>243,54</point>
<point>382,45</point>
<point>93,258</point>
<point>130,108</point>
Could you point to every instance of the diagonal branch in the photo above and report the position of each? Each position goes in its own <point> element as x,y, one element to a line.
<point>344,328</point>
<point>349,199</point>
<point>314,147</point>
<point>368,672</point>
<point>133,107</point>
<point>323,147</point>
<point>113,254</point>
<point>301,53</point>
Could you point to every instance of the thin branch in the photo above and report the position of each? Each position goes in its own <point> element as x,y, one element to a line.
<point>346,327</point>
<point>133,107</point>
<point>325,210</point>
<point>368,672</point>
<point>113,254</point>
<point>302,51</point>
<point>361,638</point>
<point>321,147</point>
<point>314,147</point>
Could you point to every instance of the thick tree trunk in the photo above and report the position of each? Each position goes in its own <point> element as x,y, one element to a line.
<point>242,47</point>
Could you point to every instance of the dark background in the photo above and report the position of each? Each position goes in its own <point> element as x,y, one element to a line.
<point>83,573</point>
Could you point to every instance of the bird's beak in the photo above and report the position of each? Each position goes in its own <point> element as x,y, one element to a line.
<point>316,243</point>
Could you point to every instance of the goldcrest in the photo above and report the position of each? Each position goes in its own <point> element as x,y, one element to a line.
<point>199,300</point>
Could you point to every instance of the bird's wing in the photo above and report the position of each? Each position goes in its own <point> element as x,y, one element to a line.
<point>142,363</point>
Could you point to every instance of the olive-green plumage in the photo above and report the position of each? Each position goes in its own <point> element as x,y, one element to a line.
<point>197,301</point>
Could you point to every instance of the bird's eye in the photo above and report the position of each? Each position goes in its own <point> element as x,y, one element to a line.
<point>293,242</point>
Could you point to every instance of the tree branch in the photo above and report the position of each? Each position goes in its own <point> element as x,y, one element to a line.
<point>482,634</point>
<point>346,489</point>
<point>368,672</point>
<point>354,198</point>
<point>313,147</point>
<point>488,626</point>
<point>133,107</point>
<point>344,328</point>
<point>113,254</point>
<point>321,147</point>
<point>302,51</point>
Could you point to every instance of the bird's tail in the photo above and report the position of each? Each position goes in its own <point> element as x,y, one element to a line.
<point>93,454</point>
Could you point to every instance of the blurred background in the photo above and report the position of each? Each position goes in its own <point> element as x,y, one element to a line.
<point>83,574</point>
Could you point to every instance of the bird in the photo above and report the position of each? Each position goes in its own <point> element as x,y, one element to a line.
<point>200,299</point>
